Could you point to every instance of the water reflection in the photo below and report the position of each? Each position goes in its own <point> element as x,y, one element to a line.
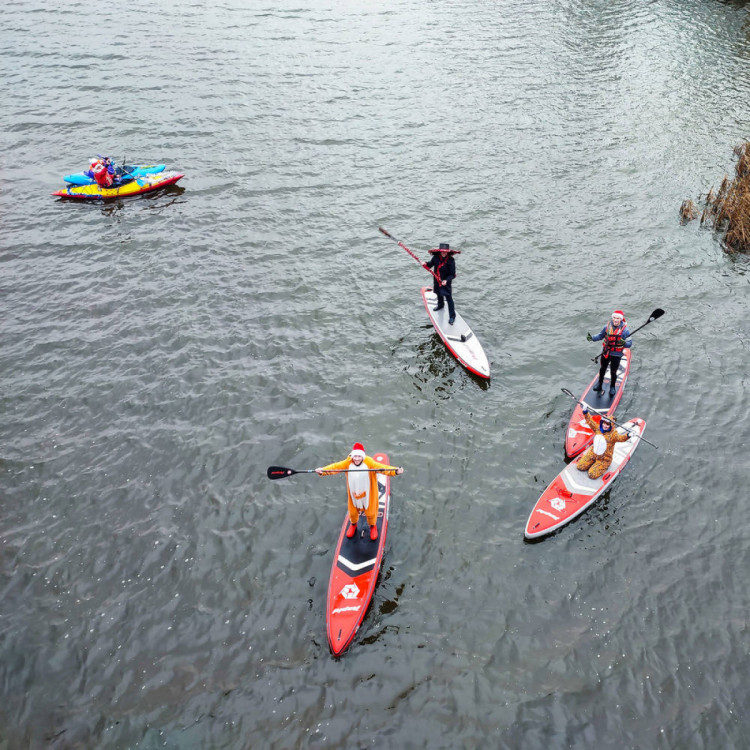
<point>437,367</point>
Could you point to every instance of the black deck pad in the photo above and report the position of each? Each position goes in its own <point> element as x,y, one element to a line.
<point>601,400</point>
<point>360,548</point>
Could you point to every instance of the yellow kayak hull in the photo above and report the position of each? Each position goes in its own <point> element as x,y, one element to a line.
<point>143,184</point>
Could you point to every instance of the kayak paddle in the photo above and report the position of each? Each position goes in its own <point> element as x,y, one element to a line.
<point>586,406</point>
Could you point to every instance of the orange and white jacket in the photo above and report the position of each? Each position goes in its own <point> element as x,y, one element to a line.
<point>370,463</point>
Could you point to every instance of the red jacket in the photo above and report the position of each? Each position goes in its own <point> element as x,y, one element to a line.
<point>102,176</point>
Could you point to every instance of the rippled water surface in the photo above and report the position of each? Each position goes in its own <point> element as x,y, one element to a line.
<point>160,352</point>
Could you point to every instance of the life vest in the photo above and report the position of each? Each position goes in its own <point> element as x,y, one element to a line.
<point>102,176</point>
<point>613,335</point>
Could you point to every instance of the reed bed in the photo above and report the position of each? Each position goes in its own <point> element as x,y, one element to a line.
<point>727,210</point>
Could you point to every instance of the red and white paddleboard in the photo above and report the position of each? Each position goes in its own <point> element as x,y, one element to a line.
<point>355,569</point>
<point>579,435</point>
<point>571,492</point>
<point>459,338</point>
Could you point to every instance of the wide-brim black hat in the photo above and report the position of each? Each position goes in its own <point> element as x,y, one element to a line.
<point>445,248</point>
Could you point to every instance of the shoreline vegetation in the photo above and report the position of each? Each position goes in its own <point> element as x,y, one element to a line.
<point>727,210</point>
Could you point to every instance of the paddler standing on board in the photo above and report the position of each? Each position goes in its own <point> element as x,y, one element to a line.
<point>615,334</point>
<point>598,457</point>
<point>361,486</point>
<point>445,270</point>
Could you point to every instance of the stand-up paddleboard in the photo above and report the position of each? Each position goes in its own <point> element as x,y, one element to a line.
<point>579,434</point>
<point>459,338</point>
<point>144,184</point>
<point>571,492</point>
<point>355,569</point>
<point>127,170</point>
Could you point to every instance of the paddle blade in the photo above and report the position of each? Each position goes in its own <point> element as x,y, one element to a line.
<point>387,234</point>
<point>657,313</point>
<point>279,472</point>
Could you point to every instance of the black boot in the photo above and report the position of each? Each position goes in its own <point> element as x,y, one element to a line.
<point>439,307</point>
<point>597,387</point>
<point>612,390</point>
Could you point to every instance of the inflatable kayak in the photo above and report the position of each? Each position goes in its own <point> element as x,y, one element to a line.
<point>134,170</point>
<point>579,435</point>
<point>144,184</point>
<point>354,572</point>
<point>572,491</point>
<point>459,338</point>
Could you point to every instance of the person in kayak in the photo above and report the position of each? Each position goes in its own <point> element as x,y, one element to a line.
<point>615,334</point>
<point>598,457</point>
<point>445,268</point>
<point>90,171</point>
<point>361,487</point>
<point>103,172</point>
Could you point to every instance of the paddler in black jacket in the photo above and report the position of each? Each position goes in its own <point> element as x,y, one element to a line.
<point>615,334</point>
<point>445,268</point>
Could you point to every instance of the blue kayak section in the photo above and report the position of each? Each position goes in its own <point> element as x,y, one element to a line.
<point>137,170</point>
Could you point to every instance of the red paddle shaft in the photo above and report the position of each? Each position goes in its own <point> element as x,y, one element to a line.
<point>413,255</point>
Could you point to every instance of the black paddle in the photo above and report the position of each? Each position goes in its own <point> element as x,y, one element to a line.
<point>126,175</point>
<point>655,315</point>
<point>280,472</point>
<point>585,405</point>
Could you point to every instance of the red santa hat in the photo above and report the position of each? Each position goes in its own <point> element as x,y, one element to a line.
<point>358,450</point>
<point>620,313</point>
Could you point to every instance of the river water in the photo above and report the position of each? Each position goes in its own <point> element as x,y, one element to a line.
<point>157,591</point>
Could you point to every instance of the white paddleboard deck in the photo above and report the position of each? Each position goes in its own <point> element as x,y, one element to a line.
<point>459,338</point>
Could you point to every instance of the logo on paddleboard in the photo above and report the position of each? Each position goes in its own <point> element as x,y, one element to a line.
<point>350,591</point>
<point>557,503</point>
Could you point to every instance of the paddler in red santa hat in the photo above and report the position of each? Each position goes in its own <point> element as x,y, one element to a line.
<point>614,337</point>
<point>361,486</point>
<point>598,457</point>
